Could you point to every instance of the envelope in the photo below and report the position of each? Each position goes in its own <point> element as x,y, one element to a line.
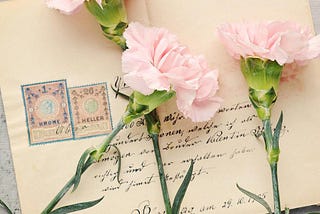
<point>57,74</point>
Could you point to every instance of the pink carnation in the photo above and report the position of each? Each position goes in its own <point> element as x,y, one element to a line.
<point>285,42</point>
<point>155,60</point>
<point>67,6</point>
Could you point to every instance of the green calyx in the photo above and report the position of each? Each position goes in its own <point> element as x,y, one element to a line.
<point>262,101</point>
<point>112,17</point>
<point>263,78</point>
<point>153,123</point>
<point>140,105</point>
<point>261,74</point>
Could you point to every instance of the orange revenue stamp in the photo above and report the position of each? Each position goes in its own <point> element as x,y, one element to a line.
<point>47,112</point>
<point>90,110</point>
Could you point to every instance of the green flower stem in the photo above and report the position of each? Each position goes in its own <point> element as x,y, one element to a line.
<point>92,159</point>
<point>263,78</point>
<point>153,127</point>
<point>275,187</point>
<point>103,147</point>
<point>164,187</point>
<point>273,156</point>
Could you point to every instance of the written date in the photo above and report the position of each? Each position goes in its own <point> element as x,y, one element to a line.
<point>145,207</point>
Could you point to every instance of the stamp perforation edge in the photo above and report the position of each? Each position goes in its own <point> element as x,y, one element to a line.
<point>26,114</point>
<point>69,110</point>
<point>109,107</point>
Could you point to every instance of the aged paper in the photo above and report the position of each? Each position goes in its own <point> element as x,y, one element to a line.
<point>50,56</point>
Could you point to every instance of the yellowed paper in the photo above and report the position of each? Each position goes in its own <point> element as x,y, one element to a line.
<point>39,45</point>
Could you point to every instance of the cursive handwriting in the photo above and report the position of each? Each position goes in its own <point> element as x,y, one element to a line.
<point>215,146</point>
<point>147,207</point>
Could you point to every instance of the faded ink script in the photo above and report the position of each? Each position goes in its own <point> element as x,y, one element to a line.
<point>216,146</point>
<point>145,207</point>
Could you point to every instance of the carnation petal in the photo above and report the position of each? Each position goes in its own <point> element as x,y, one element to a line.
<point>202,111</point>
<point>67,7</point>
<point>285,42</point>
<point>313,49</point>
<point>208,85</point>
<point>155,60</point>
<point>137,83</point>
<point>155,79</point>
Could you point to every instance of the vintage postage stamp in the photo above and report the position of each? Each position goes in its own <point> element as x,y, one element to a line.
<point>90,110</point>
<point>47,112</point>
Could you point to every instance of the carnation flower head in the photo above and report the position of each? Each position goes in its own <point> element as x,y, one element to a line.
<point>264,49</point>
<point>155,60</point>
<point>281,41</point>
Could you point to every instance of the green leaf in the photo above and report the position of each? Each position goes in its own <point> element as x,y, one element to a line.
<point>65,189</point>
<point>94,156</point>
<point>256,198</point>
<point>277,131</point>
<point>182,190</point>
<point>76,207</point>
<point>81,163</point>
<point>2,204</point>
<point>119,162</point>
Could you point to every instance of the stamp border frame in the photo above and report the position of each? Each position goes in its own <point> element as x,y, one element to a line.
<point>109,106</point>
<point>26,114</point>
